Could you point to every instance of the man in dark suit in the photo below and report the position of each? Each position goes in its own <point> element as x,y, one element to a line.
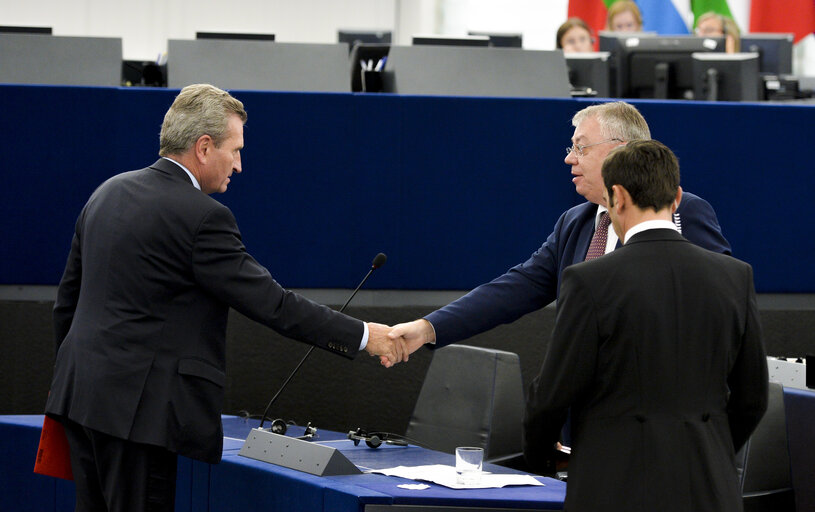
<point>535,283</point>
<point>141,312</point>
<point>657,350</point>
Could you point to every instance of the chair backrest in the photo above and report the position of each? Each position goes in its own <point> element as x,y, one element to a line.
<point>766,481</point>
<point>471,396</point>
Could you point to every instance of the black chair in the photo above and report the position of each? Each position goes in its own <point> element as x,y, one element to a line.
<point>765,479</point>
<point>471,396</point>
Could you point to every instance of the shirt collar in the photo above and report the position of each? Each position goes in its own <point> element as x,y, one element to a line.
<point>649,224</point>
<point>600,210</point>
<point>194,181</point>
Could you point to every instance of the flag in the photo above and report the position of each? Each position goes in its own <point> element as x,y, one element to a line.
<point>797,17</point>
<point>666,16</point>
<point>593,12</point>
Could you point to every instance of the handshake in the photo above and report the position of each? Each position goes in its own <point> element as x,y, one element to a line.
<point>395,344</point>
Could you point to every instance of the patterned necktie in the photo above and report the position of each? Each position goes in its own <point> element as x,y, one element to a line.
<point>598,242</point>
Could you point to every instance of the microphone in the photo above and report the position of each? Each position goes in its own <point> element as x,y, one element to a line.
<point>279,426</point>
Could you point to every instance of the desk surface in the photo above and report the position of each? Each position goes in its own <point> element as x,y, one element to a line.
<point>242,481</point>
<point>232,482</point>
<point>239,482</point>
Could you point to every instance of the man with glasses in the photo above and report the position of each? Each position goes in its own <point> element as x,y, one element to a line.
<point>581,232</point>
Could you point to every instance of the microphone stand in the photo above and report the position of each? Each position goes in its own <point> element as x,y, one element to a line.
<point>379,260</point>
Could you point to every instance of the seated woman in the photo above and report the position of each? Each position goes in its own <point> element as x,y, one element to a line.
<point>624,16</point>
<point>712,24</point>
<point>574,35</point>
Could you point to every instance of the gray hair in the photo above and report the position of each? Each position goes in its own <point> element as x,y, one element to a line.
<point>618,120</point>
<point>199,109</point>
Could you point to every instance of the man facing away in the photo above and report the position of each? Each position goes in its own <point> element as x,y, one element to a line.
<point>141,312</point>
<point>657,350</point>
<point>535,283</point>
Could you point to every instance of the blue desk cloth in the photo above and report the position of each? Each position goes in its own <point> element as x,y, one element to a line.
<point>239,482</point>
<point>800,413</point>
<point>242,482</point>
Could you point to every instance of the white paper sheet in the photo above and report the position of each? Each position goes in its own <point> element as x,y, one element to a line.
<point>446,476</point>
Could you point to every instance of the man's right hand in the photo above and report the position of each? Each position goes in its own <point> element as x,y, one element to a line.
<point>390,351</point>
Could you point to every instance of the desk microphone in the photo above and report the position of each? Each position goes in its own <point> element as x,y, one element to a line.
<point>279,426</point>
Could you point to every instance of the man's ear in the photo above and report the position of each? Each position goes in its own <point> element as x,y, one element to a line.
<point>677,200</point>
<point>621,198</point>
<point>203,146</point>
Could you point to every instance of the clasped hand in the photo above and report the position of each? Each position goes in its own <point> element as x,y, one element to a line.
<point>395,344</point>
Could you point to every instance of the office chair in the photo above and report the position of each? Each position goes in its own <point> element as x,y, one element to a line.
<point>471,396</point>
<point>765,479</point>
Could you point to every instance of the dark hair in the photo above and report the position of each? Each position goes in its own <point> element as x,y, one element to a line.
<point>568,25</point>
<point>647,169</point>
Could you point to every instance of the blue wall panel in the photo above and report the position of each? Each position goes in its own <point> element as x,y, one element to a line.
<point>454,190</point>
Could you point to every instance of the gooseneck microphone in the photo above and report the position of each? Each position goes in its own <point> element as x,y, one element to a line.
<point>279,426</point>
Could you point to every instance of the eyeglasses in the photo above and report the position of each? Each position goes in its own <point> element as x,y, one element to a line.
<point>578,148</point>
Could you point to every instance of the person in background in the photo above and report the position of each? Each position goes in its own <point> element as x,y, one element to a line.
<point>624,16</point>
<point>573,36</point>
<point>712,24</point>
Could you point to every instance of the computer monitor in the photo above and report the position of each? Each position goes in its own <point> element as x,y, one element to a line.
<point>775,51</point>
<point>726,77</point>
<point>589,73</point>
<point>234,36</point>
<point>25,30</point>
<point>658,67</point>
<point>501,40</point>
<point>440,40</point>
<point>608,38</point>
<point>355,37</point>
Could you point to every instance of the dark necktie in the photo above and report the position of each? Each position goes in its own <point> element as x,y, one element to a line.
<point>598,242</point>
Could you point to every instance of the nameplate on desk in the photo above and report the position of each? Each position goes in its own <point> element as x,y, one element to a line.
<point>298,454</point>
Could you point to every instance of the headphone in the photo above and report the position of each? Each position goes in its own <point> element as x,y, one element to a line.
<point>375,439</point>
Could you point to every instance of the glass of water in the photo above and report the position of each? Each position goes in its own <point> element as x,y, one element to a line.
<point>469,460</point>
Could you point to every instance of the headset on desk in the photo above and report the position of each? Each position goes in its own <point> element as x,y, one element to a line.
<point>375,439</point>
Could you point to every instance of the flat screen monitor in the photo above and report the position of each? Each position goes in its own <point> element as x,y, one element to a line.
<point>658,67</point>
<point>726,77</point>
<point>775,51</point>
<point>589,73</point>
<point>25,30</point>
<point>234,36</point>
<point>439,40</point>
<point>355,37</point>
<point>608,38</point>
<point>501,40</point>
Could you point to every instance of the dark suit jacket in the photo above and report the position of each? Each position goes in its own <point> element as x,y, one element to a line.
<point>535,283</point>
<point>657,350</point>
<point>141,311</point>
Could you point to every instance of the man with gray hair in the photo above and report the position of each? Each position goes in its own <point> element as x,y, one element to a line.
<point>656,355</point>
<point>580,233</point>
<point>141,312</point>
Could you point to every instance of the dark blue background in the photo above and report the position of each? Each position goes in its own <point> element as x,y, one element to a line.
<point>453,190</point>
